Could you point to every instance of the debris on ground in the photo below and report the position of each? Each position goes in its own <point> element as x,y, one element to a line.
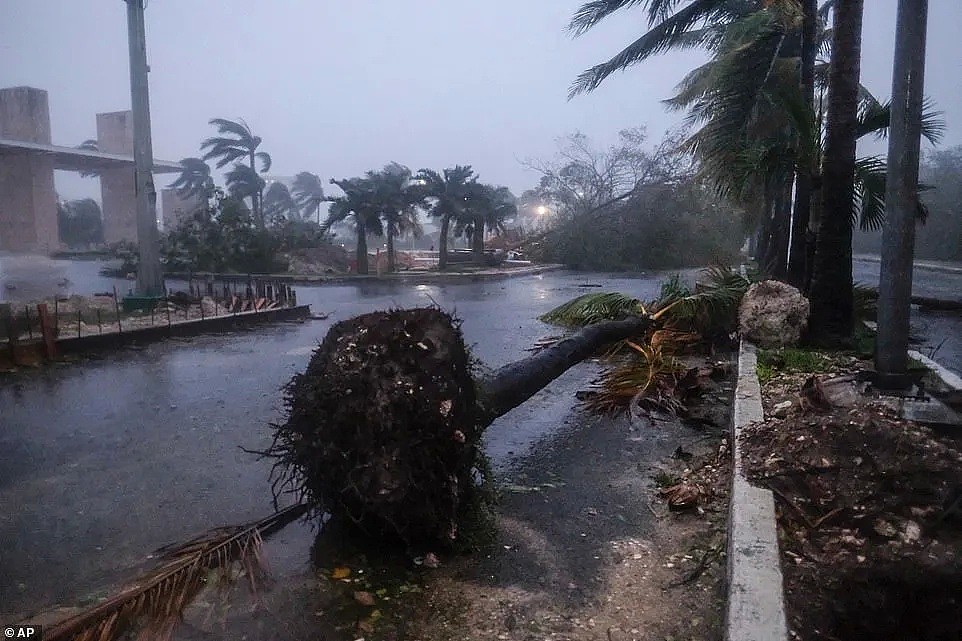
<point>869,550</point>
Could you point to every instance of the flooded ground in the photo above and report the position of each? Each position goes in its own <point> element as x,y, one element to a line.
<point>102,463</point>
<point>939,333</point>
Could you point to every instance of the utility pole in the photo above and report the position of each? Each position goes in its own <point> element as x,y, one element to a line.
<point>150,281</point>
<point>901,194</point>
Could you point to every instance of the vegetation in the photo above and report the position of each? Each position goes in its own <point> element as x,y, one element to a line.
<point>774,118</point>
<point>80,223</point>
<point>237,142</point>
<point>447,193</point>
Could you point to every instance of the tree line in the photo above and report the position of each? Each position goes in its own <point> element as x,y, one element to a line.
<point>777,112</point>
<point>382,203</point>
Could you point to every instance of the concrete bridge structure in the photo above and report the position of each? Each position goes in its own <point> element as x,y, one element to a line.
<point>28,201</point>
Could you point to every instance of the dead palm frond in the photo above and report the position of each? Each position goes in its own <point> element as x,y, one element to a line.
<point>594,308</point>
<point>648,378</point>
<point>151,605</point>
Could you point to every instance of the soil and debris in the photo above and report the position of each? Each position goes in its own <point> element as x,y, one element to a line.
<point>868,507</point>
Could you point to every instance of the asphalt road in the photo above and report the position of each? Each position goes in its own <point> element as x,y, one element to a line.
<point>939,334</point>
<point>104,462</point>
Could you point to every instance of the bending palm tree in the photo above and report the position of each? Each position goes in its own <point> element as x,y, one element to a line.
<point>243,182</point>
<point>194,181</point>
<point>357,206</point>
<point>89,145</point>
<point>236,142</point>
<point>308,194</point>
<point>448,194</point>
<point>279,203</point>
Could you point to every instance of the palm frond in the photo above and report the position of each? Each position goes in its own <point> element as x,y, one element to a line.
<point>875,116</point>
<point>710,308</point>
<point>265,159</point>
<point>868,210</point>
<point>153,604</point>
<point>593,308</point>
<point>591,13</point>
<point>668,34</point>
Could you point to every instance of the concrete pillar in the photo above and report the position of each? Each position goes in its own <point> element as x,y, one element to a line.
<point>115,135</point>
<point>28,202</point>
<point>175,209</point>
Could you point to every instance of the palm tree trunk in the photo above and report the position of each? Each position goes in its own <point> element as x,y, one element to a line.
<point>782,225</point>
<point>362,267</point>
<point>831,294</point>
<point>477,241</point>
<point>443,243</point>
<point>803,175</point>
<point>391,260</point>
<point>257,198</point>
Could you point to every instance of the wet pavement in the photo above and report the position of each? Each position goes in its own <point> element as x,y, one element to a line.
<point>939,333</point>
<point>103,462</point>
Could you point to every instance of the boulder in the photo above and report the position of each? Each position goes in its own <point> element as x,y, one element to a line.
<point>773,314</point>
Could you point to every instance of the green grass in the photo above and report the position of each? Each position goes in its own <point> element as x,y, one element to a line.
<point>790,360</point>
<point>665,479</point>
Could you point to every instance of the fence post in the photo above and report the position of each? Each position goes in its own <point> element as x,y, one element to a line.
<point>120,329</point>
<point>167,305</point>
<point>26,310</point>
<point>56,316</point>
<point>12,338</point>
<point>79,321</point>
<point>49,338</point>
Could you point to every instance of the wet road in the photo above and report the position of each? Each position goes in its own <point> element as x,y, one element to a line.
<point>940,333</point>
<point>101,463</point>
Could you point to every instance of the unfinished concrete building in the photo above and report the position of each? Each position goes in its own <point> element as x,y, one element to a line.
<point>28,200</point>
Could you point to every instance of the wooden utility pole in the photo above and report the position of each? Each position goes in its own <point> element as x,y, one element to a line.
<point>149,278</point>
<point>901,194</point>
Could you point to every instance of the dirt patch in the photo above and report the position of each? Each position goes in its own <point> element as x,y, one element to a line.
<point>869,549</point>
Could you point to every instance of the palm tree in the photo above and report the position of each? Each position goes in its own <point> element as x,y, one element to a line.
<point>308,192</point>
<point>279,203</point>
<point>194,181</point>
<point>243,182</point>
<point>397,197</point>
<point>448,195</point>
<point>487,209</point>
<point>699,24</point>
<point>359,207</point>
<point>89,145</point>
<point>831,290</point>
<point>235,142</point>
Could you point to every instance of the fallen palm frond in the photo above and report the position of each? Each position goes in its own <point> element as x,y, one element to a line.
<point>712,305</point>
<point>589,309</point>
<point>648,376</point>
<point>150,606</point>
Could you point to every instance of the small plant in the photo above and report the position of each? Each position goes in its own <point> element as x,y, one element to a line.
<point>790,360</point>
<point>666,479</point>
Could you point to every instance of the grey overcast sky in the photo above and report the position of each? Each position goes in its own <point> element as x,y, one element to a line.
<point>341,87</point>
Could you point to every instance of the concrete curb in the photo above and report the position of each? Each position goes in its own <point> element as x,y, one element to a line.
<point>928,266</point>
<point>398,277</point>
<point>950,379</point>
<point>756,608</point>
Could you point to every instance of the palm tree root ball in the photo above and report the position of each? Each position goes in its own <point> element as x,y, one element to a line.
<point>383,426</point>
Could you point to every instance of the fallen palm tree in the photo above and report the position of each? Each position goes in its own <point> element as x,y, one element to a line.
<point>384,429</point>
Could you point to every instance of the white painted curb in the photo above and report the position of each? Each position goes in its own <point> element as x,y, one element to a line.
<point>951,379</point>
<point>756,608</point>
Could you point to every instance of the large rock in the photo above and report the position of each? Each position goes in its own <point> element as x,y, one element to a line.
<point>773,314</point>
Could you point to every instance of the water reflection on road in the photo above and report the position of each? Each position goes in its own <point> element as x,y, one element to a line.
<point>102,462</point>
<point>939,333</point>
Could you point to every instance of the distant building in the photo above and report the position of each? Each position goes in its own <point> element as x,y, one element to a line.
<point>175,209</point>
